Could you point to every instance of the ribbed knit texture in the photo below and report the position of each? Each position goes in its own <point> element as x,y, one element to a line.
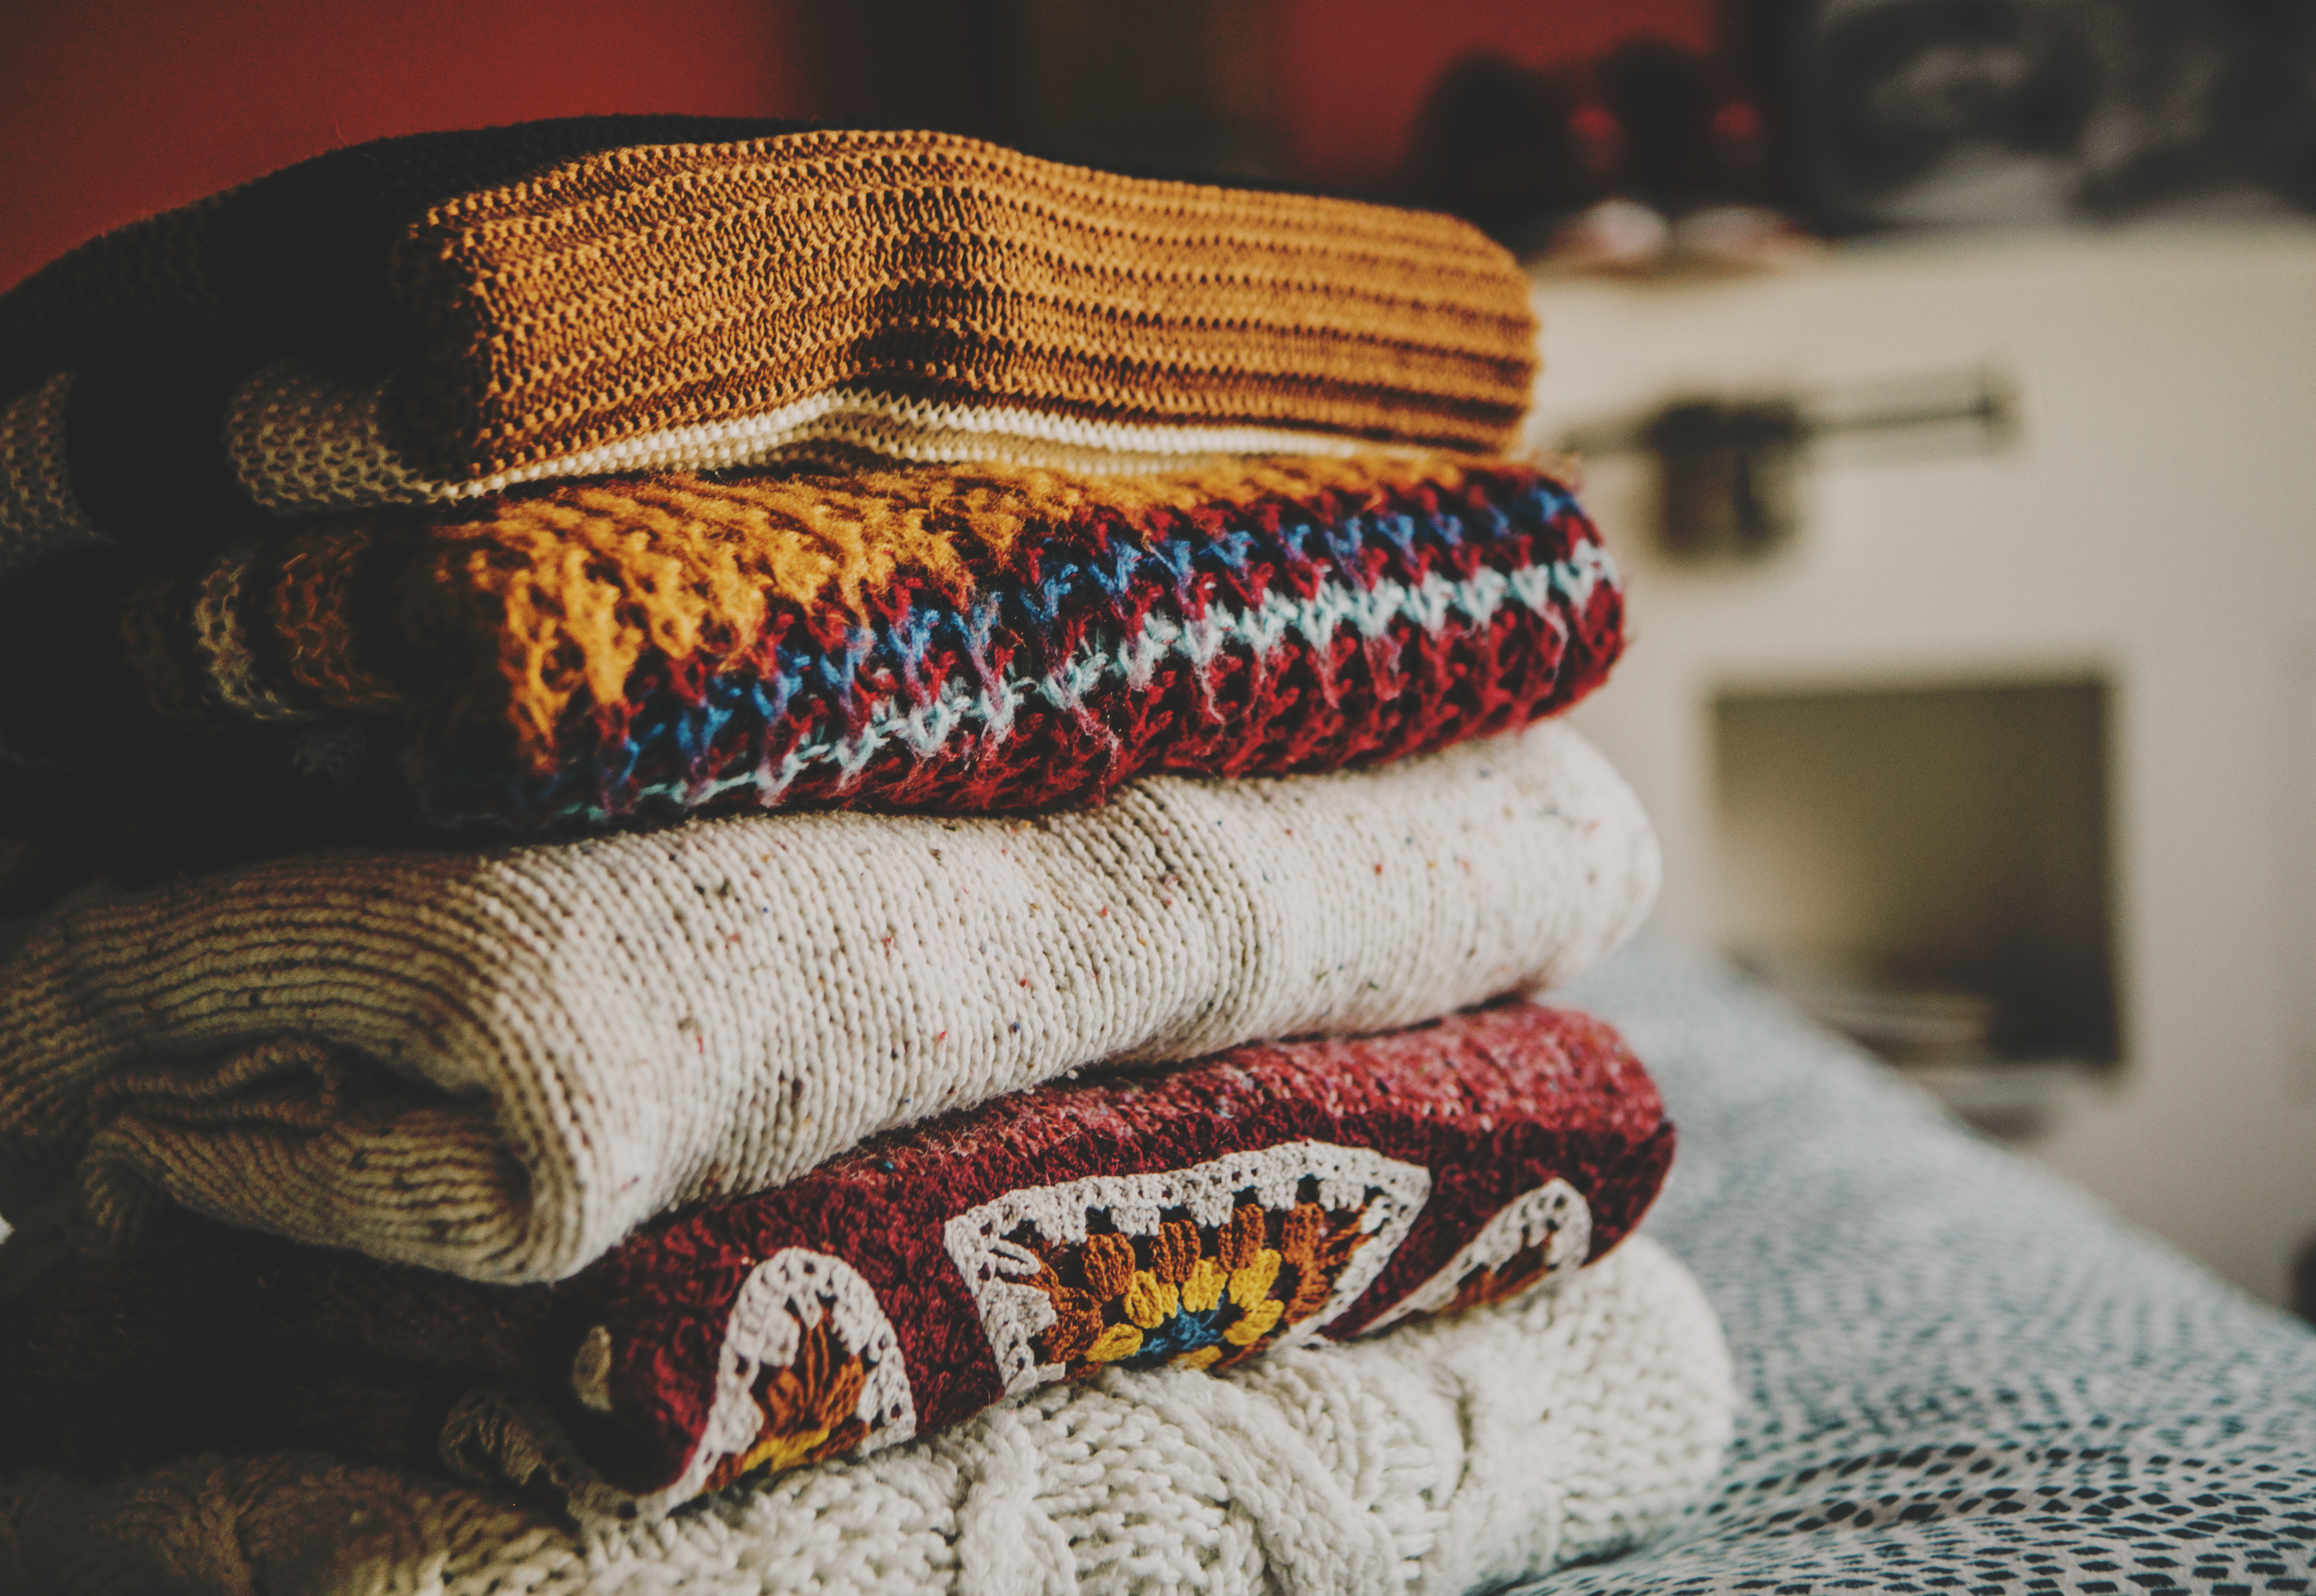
<point>298,258</point>
<point>948,638</point>
<point>373,327</point>
<point>496,1064</point>
<point>1195,1219</point>
<point>1448,1456</point>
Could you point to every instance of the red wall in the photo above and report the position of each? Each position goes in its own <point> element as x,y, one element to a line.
<point>110,110</point>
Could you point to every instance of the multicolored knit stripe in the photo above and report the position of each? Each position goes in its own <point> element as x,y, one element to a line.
<point>1234,646</point>
<point>434,320</point>
<point>1192,1219</point>
<point>969,640</point>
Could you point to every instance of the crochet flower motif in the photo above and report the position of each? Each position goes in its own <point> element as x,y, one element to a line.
<point>1502,1281</point>
<point>811,1407</point>
<point>1190,1296</point>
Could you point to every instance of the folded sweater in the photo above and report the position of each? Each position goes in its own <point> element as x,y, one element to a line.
<point>497,1064</point>
<point>434,318</point>
<point>1455,1454</point>
<point>955,639</point>
<point>1191,1219</point>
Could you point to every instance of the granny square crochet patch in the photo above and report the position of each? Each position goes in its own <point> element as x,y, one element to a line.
<point>1189,1220</point>
<point>1461,1452</point>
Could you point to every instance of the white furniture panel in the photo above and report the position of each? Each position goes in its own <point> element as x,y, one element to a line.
<point>2154,527</point>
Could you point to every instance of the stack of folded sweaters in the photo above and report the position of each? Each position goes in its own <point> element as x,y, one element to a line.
<point>809,860</point>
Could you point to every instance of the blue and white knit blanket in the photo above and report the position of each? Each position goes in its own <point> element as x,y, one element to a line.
<point>1955,1372</point>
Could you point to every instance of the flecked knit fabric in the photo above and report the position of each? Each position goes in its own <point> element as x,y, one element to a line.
<point>1450,1455</point>
<point>958,640</point>
<point>497,1064</point>
<point>431,319</point>
<point>1193,1219</point>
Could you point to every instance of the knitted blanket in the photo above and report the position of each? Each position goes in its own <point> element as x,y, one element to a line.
<point>1192,1221</point>
<point>429,319</point>
<point>962,640</point>
<point>497,1064</point>
<point>1452,1455</point>
<point>1959,1373</point>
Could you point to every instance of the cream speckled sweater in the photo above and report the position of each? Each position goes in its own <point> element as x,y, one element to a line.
<point>497,1063</point>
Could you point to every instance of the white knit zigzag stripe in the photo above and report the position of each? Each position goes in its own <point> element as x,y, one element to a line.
<point>301,440</point>
<point>495,1434</point>
<point>966,705</point>
<point>1464,1453</point>
<point>558,1041</point>
<point>783,1297</point>
<point>1013,1314</point>
<point>1554,1217</point>
<point>39,514</point>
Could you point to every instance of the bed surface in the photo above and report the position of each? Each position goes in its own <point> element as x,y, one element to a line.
<point>1956,1372</point>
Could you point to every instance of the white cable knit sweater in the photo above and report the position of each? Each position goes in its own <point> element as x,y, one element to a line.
<point>497,1063</point>
<point>1446,1457</point>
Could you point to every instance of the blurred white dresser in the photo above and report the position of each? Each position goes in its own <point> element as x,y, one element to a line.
<point>2153,529</point>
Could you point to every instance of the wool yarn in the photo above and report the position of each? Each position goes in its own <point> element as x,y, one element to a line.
<point>961,639</point>
<point>1451,1455</point>
<point>1195,1219</point>
<point>498,1063</point>
<point>438,318</point>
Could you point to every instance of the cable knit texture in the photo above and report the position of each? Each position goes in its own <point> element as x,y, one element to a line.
<point>1450,1455</point>
<point>958,640</point>
<point>429,319</point>
<point>497,1064</point>
<point>1194,1219</point>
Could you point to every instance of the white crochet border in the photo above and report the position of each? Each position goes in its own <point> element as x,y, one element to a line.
<point>512,1436</point>
<point>782,1298</point>
<point>1012,1314</point>
<point>1555,1216</point>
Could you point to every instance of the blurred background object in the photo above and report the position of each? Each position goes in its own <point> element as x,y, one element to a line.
<point>1519,151</point>
<point>1729,469</point>
<point>2001,759</point>
<point>1905,112</point>
<point>1927,867</point>
<point>1648,157</point>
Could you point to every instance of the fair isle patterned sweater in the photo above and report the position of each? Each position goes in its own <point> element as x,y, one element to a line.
<point>949,639</point>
